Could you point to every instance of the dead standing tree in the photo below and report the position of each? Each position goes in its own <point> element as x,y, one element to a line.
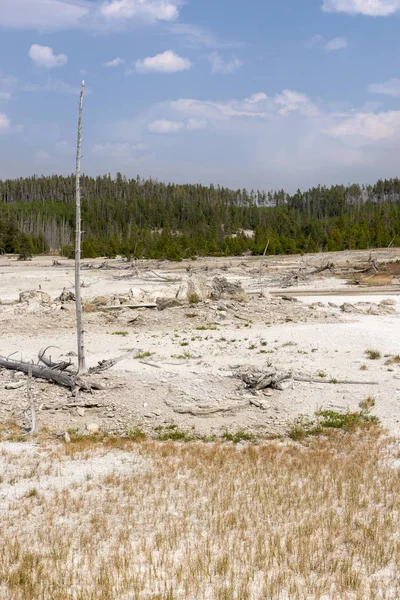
<point>78,237</point>
<point>62,373</point>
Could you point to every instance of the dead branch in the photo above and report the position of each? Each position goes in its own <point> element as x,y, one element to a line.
<point>61,366</point>
<point>104,365</point>
<point>166,278</point>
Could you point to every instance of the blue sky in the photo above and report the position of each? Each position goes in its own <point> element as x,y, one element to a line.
<point>258,94</point>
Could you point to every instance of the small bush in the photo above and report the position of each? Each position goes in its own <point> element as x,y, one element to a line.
<point>193,298</point>
<point>136,434</point>
<point>373,354</point>
<point>171,432</point>
<point>122,333</point>
<point>239,436</point>
<point>330,419</point>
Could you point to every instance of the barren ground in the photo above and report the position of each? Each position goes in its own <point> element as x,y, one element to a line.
<point>189,379</point>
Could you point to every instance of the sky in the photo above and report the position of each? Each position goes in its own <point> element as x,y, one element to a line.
<point>261,94</point>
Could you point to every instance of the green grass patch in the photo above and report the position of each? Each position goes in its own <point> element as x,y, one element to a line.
<point>238,436</point>
<point>140,355</point>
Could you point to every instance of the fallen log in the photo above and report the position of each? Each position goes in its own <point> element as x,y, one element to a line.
<point>132,306</point>
<point>39,371</point>
<point>271,377</point>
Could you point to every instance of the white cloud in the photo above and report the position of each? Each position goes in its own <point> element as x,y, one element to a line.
<point>219,65</point>
<point>64,147</point>
<point>157,10</point>
<point>44,57</point>
<point>256,98</point>
<point>387,88</point>
<point>291,101</point>
<point>5,123</point>
<point>42,14</point>
<point>195,36</point>
<point>117,62</point>
<point>318,41</point>
<point>365,128</point>
<point>41,155</point>
<point>167,62</point>
<point>56,86</point>
<point>371,8</point>
<point>7,86</point>
<point>48,15</point>
<point>196,124</point>
<point>165,126</point>
<point>119,149</point>
<point>220,111</point>
<point>337,43</point>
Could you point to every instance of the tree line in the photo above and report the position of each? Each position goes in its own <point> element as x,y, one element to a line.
<point>145,218</point>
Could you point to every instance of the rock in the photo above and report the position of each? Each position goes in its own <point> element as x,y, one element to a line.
<point>15,386</point>
<point>222,288</point>
<point>193,290</point>
<point>388,302</point>
<point>66,437</point>
<point>35,297</point>
<point>81,411</point>
<point>100,301</point>
<point>163,303</point>
<point>91,428</point>
<point>332,305</point>
<point>67,296</point>
<point>266,295</point>
<point>289,298</point>
<point>348,308</point>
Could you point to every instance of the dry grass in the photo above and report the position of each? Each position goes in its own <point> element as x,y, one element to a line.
<point>394,360</point>
<point>280,521</point>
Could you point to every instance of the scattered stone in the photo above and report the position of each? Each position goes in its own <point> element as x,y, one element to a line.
<point>36,297</point>
<point>15,386</point>
<point>222,288</point>
<point>91,428</point>
<point>66,437</point>
<point>163,303</point>
<point>193,290</point>
<point>81,411</point>
<point>388,302</point>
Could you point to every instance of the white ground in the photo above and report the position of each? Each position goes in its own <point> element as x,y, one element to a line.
<point>301,337</point>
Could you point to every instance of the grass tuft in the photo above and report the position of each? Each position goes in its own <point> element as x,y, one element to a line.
<point>373,354</point>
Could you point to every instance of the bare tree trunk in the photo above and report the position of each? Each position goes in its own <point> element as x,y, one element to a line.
<point>31,401</point>
<point>79,320</point>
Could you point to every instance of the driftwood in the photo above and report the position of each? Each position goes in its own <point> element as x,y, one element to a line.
<point>271,378</point>
<point>56,373</point>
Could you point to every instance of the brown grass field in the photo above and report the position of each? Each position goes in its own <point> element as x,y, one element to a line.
<point>195,521</point>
